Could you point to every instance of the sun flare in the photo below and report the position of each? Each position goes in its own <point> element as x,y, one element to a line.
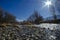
<point>48,3</point>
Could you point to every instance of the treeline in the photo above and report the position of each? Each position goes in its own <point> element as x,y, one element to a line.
<point>35,18</point>
<point>6,17</point>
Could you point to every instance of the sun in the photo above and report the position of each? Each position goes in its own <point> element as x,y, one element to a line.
<point>48,3</point>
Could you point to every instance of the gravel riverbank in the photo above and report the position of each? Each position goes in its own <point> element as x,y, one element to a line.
<point>26,33</point>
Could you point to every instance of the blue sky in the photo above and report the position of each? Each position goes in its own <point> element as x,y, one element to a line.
<point>22,9</point>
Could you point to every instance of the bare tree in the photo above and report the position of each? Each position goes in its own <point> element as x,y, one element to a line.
<point>9,17</point>
<point>53,12</point>
<point>35,18</point>
<point>1,15</point>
